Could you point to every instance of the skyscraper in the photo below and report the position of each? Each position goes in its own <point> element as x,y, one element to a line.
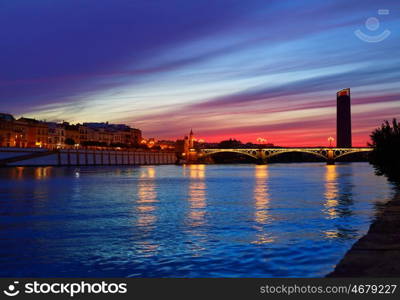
<point>343,119</point>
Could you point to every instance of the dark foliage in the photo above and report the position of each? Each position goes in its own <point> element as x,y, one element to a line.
<point>93,143</point>
<point>119,145</point>
<point>386,154</point>
<point>141,146</point>
<point>69,141</point>
<point>230,144</point>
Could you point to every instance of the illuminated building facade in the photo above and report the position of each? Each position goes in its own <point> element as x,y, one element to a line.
<point>31,133</point>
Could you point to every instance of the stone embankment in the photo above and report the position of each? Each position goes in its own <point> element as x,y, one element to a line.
<point>43,157</point>
<point>377,254</point>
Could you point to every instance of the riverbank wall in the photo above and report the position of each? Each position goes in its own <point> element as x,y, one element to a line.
<point>10,157</point>
<point>377,254</point>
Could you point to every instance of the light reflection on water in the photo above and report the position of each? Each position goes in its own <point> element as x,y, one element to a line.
<point>197,195</point>
<point>146,206</point>
<point>197,208</point>
<point>262,199</point>
<point>278,220</point>
<point>331,193</point>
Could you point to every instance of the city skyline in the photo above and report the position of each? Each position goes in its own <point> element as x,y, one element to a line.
<point>226,69</point>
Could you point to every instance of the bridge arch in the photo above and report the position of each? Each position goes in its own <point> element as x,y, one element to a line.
<point>322,153</point>
<point>251,153</point>
<point>345,153</point>
<point>263,155</point>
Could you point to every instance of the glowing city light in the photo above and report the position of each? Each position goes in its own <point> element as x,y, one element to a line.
<point>261,140</point>
<point>330,140</point>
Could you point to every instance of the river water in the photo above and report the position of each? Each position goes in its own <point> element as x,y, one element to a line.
<point>277,220</point>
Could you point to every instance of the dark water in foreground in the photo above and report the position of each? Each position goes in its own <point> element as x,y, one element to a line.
<point>280,220</point>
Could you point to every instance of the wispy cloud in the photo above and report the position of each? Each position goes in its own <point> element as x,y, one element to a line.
<point>226,68</point>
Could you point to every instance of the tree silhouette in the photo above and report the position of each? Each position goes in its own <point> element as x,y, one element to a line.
<point>231,143</point>
<point>69,141</point>
<point>386,154</point>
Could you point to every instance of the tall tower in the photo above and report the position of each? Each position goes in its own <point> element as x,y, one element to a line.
<point>191,139</point>
<point>343,119</point>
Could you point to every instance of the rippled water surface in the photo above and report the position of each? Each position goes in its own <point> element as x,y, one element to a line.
<point>279,220</point>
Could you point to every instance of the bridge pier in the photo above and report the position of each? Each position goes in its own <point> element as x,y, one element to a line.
<point>261,157</point>
<point>330,157</point>
<point>262,161</point>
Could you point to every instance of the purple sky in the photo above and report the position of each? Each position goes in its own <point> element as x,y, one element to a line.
<point>243,69</point>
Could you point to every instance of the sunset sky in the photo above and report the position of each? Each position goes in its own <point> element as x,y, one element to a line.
<point>240,69</point>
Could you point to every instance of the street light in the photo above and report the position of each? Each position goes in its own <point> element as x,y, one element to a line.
<point>330,140</point>
<point>261,140</point>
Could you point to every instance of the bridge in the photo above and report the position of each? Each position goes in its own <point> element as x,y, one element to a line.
<point>262,155</point>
